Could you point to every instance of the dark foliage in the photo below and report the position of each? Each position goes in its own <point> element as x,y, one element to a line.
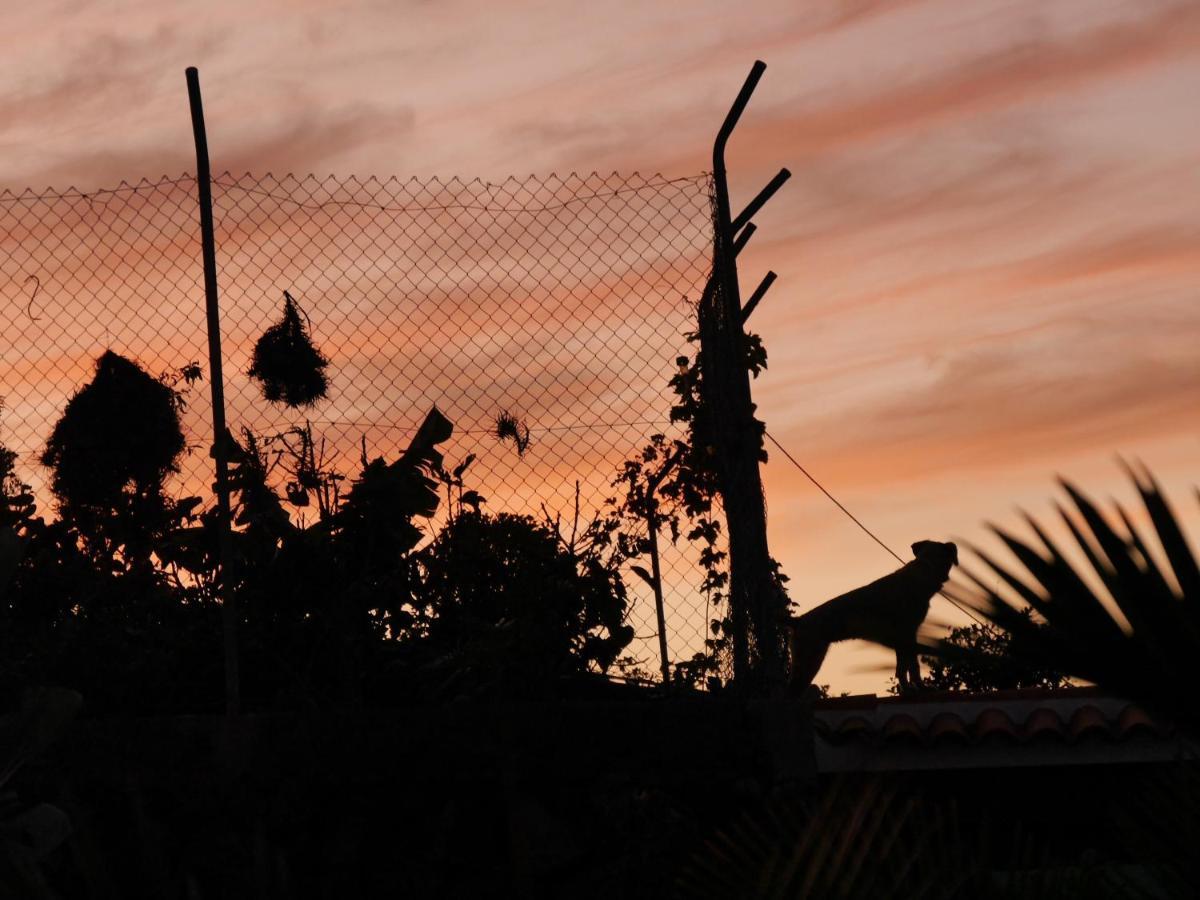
<point>861,836</point>
<point>323,600</point>
<point>115,443</point>
<point>16,507</point>
<point>16,497</point>
<point>121,431</point>
<point>1077,629</point>
<point>375,522</point>
<point>510,428</point>
<point>987,664</point>
<point>509,601</point>
<point>690,494</point>
<point>287,364</point>
<point>335,611</point>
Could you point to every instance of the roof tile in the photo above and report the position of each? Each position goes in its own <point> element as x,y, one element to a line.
<point>903,728</point>
<point>995,724</point>
<point>1088,721</point>
<point>948,728</point>
<point>1045,724</point>
<point>933,729</point>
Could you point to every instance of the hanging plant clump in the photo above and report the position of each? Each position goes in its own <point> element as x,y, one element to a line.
<point>120,428</point>
<point>287,364</point>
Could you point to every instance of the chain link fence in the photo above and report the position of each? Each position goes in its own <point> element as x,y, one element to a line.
<point>562,301</point>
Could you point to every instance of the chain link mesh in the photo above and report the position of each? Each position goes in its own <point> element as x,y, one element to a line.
<point>562,300</point>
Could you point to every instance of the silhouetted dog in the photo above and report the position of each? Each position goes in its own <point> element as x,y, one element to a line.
<point>887,611</point>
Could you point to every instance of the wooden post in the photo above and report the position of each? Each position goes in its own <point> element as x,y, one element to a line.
<point>656,574</point>
<point>220,447</point>
<point>656,564</point>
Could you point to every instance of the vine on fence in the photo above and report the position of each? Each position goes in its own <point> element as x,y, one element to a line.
<point>690,489</point>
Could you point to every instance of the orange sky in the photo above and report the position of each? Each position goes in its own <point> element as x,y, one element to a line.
<point>988,253</point>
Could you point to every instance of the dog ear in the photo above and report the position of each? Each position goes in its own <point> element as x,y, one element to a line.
<point>953,551</point>
<point>920,548</point>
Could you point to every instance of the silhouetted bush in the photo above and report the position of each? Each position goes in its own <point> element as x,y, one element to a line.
<point>121,429</point>
<point>115,443</point>
<point>514,606</point>
<point>118,594</point>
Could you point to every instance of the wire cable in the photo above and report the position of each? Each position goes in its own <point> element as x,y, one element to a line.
<point>853,518</point>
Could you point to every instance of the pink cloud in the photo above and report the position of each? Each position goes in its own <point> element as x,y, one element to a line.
<point>987,251</point>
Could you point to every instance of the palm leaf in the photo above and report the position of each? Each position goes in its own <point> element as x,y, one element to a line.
<point>1153,661</point>
<point>853,839</point>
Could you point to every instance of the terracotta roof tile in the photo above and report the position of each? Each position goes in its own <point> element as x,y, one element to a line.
<point>948,728</point>
<point>1088,721</point>
<point>903,728</point>
<point>1003,728</point>
<point>1045,724</point>
<point>855,725</point>
<point>1134,721</point>
<point>994,724</point>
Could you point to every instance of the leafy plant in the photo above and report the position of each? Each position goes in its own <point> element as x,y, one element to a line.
<point>303,458</point>
<point>17,507</point>
<point>864,837</point>
<point>681,503</point>
<point>512,609</point>
<point>374,524</point>
<point>109,454</point>
<point>1139,636</point>
<point>852,840</point>
<point>989,667</point>
<point>121,431</point>
<point>454,479</point>
<point>319,599</point>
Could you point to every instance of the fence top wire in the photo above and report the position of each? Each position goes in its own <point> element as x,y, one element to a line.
<point>7,195</point>
<point>228,180</point>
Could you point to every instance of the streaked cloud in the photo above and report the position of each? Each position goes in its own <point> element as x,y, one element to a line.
<point>989,251</point>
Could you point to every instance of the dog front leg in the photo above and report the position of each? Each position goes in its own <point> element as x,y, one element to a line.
<point>914,675</point>
<point>908,671</point>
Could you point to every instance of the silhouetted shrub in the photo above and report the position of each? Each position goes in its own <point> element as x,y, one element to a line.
<point>286,362</point>
<point>511,602</point>
<point>121,428</point>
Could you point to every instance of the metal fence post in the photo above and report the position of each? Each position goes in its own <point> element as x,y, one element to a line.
<point>755,598</point>
<point>220,447</point>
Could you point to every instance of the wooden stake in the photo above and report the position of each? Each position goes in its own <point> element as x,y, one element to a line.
<point>656,565</point>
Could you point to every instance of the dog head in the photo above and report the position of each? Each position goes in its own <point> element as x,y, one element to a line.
<point>936,552</point>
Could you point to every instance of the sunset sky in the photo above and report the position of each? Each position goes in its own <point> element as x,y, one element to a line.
<point>988,253</point>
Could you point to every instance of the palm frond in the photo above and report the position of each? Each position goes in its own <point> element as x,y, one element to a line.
<point>1142,640</point>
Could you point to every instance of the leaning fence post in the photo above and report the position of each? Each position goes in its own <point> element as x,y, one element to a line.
<point>220,448</point>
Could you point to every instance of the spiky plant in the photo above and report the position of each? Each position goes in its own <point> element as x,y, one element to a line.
<point>510,428</point>
<point>1138,637</point>
<point>287,364</point>
<point>870,837</point>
